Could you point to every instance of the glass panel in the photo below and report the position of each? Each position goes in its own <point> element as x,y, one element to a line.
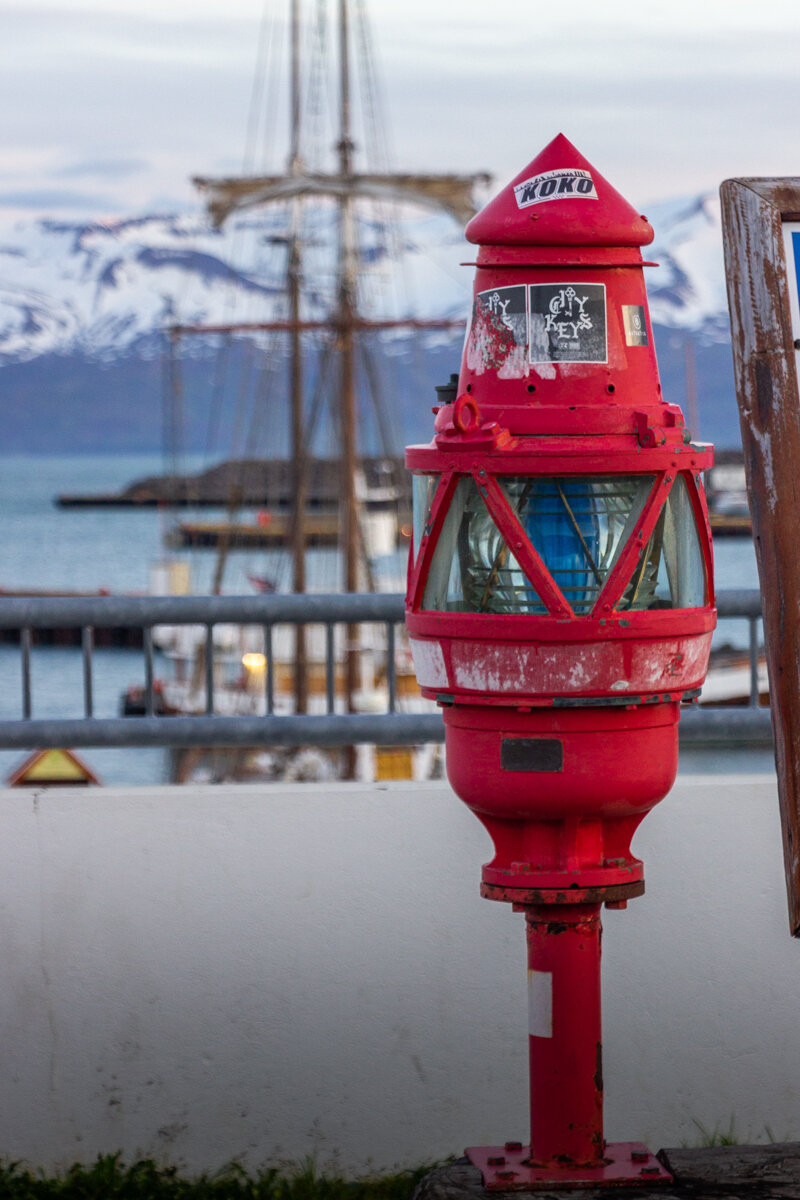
<point>579,525</point>
<point>670,572</point>
<point>473,569</point>
<point>423,490</point>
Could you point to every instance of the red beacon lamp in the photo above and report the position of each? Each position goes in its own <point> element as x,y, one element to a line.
<point>560,607</point>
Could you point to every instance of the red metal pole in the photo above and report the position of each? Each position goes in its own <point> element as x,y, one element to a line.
<point>566,1075</point>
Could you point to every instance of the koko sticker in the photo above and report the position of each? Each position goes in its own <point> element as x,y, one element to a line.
<point>498,335</point>
<point>568,323</point>
<point>570,182</point>
<point>634,324</point>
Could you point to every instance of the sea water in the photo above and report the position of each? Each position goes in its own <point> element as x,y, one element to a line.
<point>43,547</point>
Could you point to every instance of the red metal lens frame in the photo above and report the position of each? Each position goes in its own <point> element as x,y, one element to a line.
<point>530,560</point>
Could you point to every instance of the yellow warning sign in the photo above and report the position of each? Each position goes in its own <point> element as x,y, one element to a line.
<point>52,767</point>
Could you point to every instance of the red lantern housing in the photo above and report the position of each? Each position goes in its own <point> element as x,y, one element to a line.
<point>560,607</point>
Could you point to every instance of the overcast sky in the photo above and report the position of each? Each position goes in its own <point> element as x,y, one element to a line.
<point>111,105</point>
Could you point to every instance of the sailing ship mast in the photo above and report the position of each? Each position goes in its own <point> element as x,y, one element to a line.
<point>345,321</point>
<point>448,192</point>
<point>298,441</point>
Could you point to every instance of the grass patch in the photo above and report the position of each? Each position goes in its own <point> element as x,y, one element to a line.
<point>716,1136</point>
<point>110,1179</point>
<point>729,1136</point>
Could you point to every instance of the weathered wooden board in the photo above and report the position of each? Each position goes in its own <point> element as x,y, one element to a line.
<point>716,1173</point>
<point>750,1171</point>
<point>753,211</point>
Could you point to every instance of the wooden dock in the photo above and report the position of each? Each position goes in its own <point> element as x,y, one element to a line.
<point>727,525</point>
<point>321,530</point>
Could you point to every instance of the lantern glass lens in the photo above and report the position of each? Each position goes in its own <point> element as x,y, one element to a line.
<point>579,526</point>
<point>670,572</point>
<point>423,491</point>
<point>473,569</point>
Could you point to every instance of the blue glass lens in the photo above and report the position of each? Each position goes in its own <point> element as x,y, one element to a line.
<point>562,522</point>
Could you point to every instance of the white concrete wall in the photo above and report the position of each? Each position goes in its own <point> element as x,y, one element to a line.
<point>261,974</point>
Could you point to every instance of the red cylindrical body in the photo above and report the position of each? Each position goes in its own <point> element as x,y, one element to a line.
<point>576,783</point>
<point>564,1035</point>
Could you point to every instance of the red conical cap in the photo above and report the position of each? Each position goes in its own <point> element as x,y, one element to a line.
<point>560,199</point>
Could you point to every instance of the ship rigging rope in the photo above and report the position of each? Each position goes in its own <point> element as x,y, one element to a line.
<point>317,81</point>
<point>378,145</point>
<point>266,96</point>
<point>377,131</point>
<point>217,392</point>
<point>385,431</point>
<point>257,108</point>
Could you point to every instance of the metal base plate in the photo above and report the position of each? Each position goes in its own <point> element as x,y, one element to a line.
<point>507,1169</point>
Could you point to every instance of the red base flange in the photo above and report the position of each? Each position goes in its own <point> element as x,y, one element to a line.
<point>507,1168</point>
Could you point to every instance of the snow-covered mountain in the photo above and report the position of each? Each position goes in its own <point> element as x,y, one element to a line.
<point>84,307</point>
<point>104,287</point>
<point>101,288</point>
<point>687,292</point>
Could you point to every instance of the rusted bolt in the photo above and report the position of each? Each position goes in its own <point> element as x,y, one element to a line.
<point>496,1160</point>
<point>639,1156</point>
<point>512,1146</point>
<point>649,1172</point>
<point>505,1174</point>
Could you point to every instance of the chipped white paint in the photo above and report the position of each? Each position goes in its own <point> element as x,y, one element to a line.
<point>516,365</point>
<point>428,663</point>
<point>584,372</point>
<point>480,677</point>
<point>764,440</point>
<point>476,349</point>
<point>633,666</point>
<point>256,973</point>
<point>678,663</point>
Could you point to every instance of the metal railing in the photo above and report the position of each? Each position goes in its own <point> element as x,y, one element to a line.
<point>748,726</point>
<point>744,726</point>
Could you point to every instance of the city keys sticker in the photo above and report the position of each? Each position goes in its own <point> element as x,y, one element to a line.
<point>567,323</point>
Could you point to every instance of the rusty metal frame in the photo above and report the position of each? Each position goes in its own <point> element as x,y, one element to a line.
<point>765,370</point>
<point>521,547</point>
<point>506,522</point>
<point>620,575</point>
